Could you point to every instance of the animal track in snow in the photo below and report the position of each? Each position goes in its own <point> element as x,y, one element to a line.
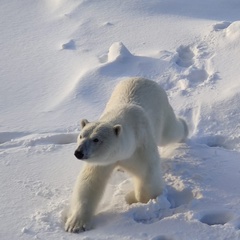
<point>179,198</point>
<point>217,141</point>
<point>217,217</point>
<point>185,56</point>
<point>193,65</point>
<point>151,212</point>
<point>162,207</point>
<point>197,75</point>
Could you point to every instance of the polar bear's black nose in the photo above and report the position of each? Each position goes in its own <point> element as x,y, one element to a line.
<point>79,154</point>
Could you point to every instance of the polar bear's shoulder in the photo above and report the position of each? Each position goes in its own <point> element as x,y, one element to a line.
<point>140,91</point>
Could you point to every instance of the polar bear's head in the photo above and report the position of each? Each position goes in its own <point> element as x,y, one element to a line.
<point>98,142</point>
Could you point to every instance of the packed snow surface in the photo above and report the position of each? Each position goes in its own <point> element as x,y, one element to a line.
<point>60,60</point>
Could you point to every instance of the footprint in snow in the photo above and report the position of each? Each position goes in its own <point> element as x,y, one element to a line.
<point>179,198</point>
<point>197,75</point>
<point>195,66</point>
<point>215,217</point>
<point>151,212</point>
<point>185,56</point>
<point>157,209</point>
<point>215,141</point>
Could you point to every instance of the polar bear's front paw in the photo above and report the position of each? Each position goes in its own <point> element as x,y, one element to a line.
<point>76,224</point>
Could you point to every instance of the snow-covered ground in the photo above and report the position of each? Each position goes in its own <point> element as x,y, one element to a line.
<point>60,60</point>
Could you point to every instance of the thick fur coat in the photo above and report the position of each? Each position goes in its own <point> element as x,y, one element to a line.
<point>137,119</point>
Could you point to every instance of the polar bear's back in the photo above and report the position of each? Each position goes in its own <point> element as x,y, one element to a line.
<point>140,91</point>
<point>150,97</point>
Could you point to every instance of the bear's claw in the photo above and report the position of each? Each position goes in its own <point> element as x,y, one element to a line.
<point>75,228</point>
<point>74,225</point>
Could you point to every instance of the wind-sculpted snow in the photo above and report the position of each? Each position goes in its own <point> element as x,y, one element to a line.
<point>30,140</point>
<point>60,61</point>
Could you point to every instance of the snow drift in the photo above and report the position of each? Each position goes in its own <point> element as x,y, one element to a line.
<point>60,61</point>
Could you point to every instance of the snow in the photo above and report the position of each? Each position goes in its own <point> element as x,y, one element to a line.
<point>60,61</point>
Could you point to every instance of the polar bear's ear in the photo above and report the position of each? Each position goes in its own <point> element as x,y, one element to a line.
<point>84,122</point>
<point>117,129</point>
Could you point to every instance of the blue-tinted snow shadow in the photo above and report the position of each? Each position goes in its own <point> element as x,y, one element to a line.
<point>212,9</point>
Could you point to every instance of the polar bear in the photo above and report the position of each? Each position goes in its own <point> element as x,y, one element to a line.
<point>137,119</point>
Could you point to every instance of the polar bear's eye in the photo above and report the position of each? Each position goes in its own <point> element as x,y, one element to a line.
<point>95,140</point>
<point>80,136</point>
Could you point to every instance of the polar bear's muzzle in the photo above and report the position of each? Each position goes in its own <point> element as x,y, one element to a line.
<point>80,155</point>
<point>81,152</point>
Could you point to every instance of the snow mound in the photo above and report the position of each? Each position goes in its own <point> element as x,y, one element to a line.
<point>69,45</point>
<point>118,52</point>
<point>233,30</point>
<point>97,82</point>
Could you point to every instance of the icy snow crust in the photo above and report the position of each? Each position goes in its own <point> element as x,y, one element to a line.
<point>60,61</point>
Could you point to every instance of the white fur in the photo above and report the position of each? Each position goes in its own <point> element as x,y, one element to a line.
<point>137,119</point>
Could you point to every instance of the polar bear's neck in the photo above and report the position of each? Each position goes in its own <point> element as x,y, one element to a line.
<point>127,138</point>
<point>134,125</point>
